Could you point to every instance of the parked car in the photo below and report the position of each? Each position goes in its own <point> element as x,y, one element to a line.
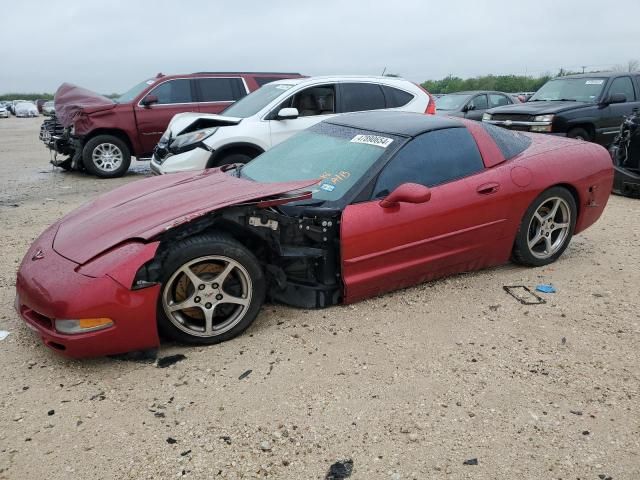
<point>274,113</point>
<point>100,135</point>
<point>48,108</point>
<point>12,106</point>
<point>39,103</point>
<point>587,107</point>
<point>403,198</point>
<point>4,113</point>
<point>472,104</point>
<point>25,109</point>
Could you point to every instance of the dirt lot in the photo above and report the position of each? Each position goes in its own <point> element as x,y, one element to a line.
<point>407,385</point>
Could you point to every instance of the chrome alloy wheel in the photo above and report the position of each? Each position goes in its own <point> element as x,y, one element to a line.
<point>549,227</point>
<point>207,296</point>
<point>107,157</point>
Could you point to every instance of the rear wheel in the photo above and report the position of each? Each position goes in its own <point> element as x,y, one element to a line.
<point>546,229</point>
<point>212,290</point>
<point>106,156</point>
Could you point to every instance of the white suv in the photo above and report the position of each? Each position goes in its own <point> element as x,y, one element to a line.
<point>272,114</point>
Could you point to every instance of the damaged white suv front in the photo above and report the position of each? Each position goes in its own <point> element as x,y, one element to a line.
<point>272,114</point>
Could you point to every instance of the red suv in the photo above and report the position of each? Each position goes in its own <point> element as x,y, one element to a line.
<point>100,134</point>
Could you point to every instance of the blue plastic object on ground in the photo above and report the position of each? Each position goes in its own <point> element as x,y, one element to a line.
<point>546,288</point>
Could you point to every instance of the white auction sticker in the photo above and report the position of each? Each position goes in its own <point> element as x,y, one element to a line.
<point>594,82</point>
<point>376,140</point>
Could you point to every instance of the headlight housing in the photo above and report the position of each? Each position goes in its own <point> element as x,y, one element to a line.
<point>543,118</point>
<point>189,141</point>
<point>486,116</point>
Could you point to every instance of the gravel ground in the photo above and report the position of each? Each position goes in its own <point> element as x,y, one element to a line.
<point>408,385</point>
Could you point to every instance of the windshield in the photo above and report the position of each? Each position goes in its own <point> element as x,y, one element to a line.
<point>575,89</point>
<point>337,156</point>
<point>256,101</point>
<point>131,94</point>
<point>453,101</point>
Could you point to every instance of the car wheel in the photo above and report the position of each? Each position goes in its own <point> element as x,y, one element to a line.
<point>106,156</point>
<point>212,290</point>
<point>579,134</point>
<point>546,229</point>
<point>233,158</point>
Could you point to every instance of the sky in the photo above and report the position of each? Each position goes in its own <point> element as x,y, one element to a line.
<point>110,46</point>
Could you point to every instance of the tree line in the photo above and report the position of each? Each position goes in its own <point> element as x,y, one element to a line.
<point>501,83</point>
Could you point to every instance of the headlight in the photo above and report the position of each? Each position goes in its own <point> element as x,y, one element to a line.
<point>543,118</point>
<point>486,116</point>
<point>190,140</point>
<point>82,325</point>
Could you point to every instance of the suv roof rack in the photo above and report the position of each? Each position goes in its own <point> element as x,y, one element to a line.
<point>249,73</point>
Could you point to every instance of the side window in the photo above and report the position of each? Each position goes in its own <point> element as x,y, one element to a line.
<point>173,91</point>
<point>220,89</point>
<point>396,97</point>
<point>623,85</point>
<point>479,103</point>
<point>497,100</point>
<point>320,100</point>
<point>431,159</point>
<point>358,97</point>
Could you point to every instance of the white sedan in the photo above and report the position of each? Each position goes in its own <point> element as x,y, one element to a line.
<point>26,109</point>
<point>273,113</point>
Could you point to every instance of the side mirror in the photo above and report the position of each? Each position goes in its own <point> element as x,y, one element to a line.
<point>149,100</point>
<point>288,114</point>
<point>407,193</point>
<point>616,98</point>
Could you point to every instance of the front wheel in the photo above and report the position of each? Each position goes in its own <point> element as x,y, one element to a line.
<point>212,290</point>
<point>579,134</point>
<point>546,228</point>
<point>106,156</point>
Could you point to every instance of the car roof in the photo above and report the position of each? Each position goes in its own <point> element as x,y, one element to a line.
<point>598,74</point>
<point>407,124</point>
<point>473,92</point>
<point>343,78</point>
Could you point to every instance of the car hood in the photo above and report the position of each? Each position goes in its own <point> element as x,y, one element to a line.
<point>539,108</point>
<point>70,100</point>
<point>146,208</point>
<point>190,121</point>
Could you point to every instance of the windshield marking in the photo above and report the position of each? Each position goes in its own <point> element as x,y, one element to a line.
<point>375,140</point>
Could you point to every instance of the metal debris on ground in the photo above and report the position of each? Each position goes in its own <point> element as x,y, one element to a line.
<point>471,461</point>
<point>523,294</point>
<point>340,470</point>
<point>3,334</point>
<point>245,374</point>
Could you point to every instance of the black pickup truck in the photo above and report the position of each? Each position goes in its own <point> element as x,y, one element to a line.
<point>587,106</point>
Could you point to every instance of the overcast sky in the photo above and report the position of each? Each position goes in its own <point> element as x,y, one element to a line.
<point>111,47</point>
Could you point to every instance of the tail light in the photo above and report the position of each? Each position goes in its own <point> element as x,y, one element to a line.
<point>431,106</point>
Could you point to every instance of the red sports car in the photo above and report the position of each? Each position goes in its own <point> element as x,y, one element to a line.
<point>402,198</point>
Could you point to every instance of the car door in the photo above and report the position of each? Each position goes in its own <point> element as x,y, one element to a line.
<point>458,229</point>
<point>476,107</point>
<point>214,94</point>
<point>615,112</point>
<point>314,104</point>
<point>498,100</point>
<point>174,96</point>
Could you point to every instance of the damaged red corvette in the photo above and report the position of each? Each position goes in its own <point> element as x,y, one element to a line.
<point>403,198</point>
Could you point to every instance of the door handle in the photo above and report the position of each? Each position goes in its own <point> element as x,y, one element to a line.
<point>488,188</point>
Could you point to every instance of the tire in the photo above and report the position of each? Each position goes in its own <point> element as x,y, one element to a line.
<point>106,156</point>
<point>536,224</point>
<point>207,257</point>
<point>579,134</point>
<point>232,158</point>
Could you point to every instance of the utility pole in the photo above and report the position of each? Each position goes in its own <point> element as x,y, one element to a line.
<point>583,67</point>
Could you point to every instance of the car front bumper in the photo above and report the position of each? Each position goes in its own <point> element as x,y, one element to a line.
<point>48,287</point>
<point>190,161</point>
